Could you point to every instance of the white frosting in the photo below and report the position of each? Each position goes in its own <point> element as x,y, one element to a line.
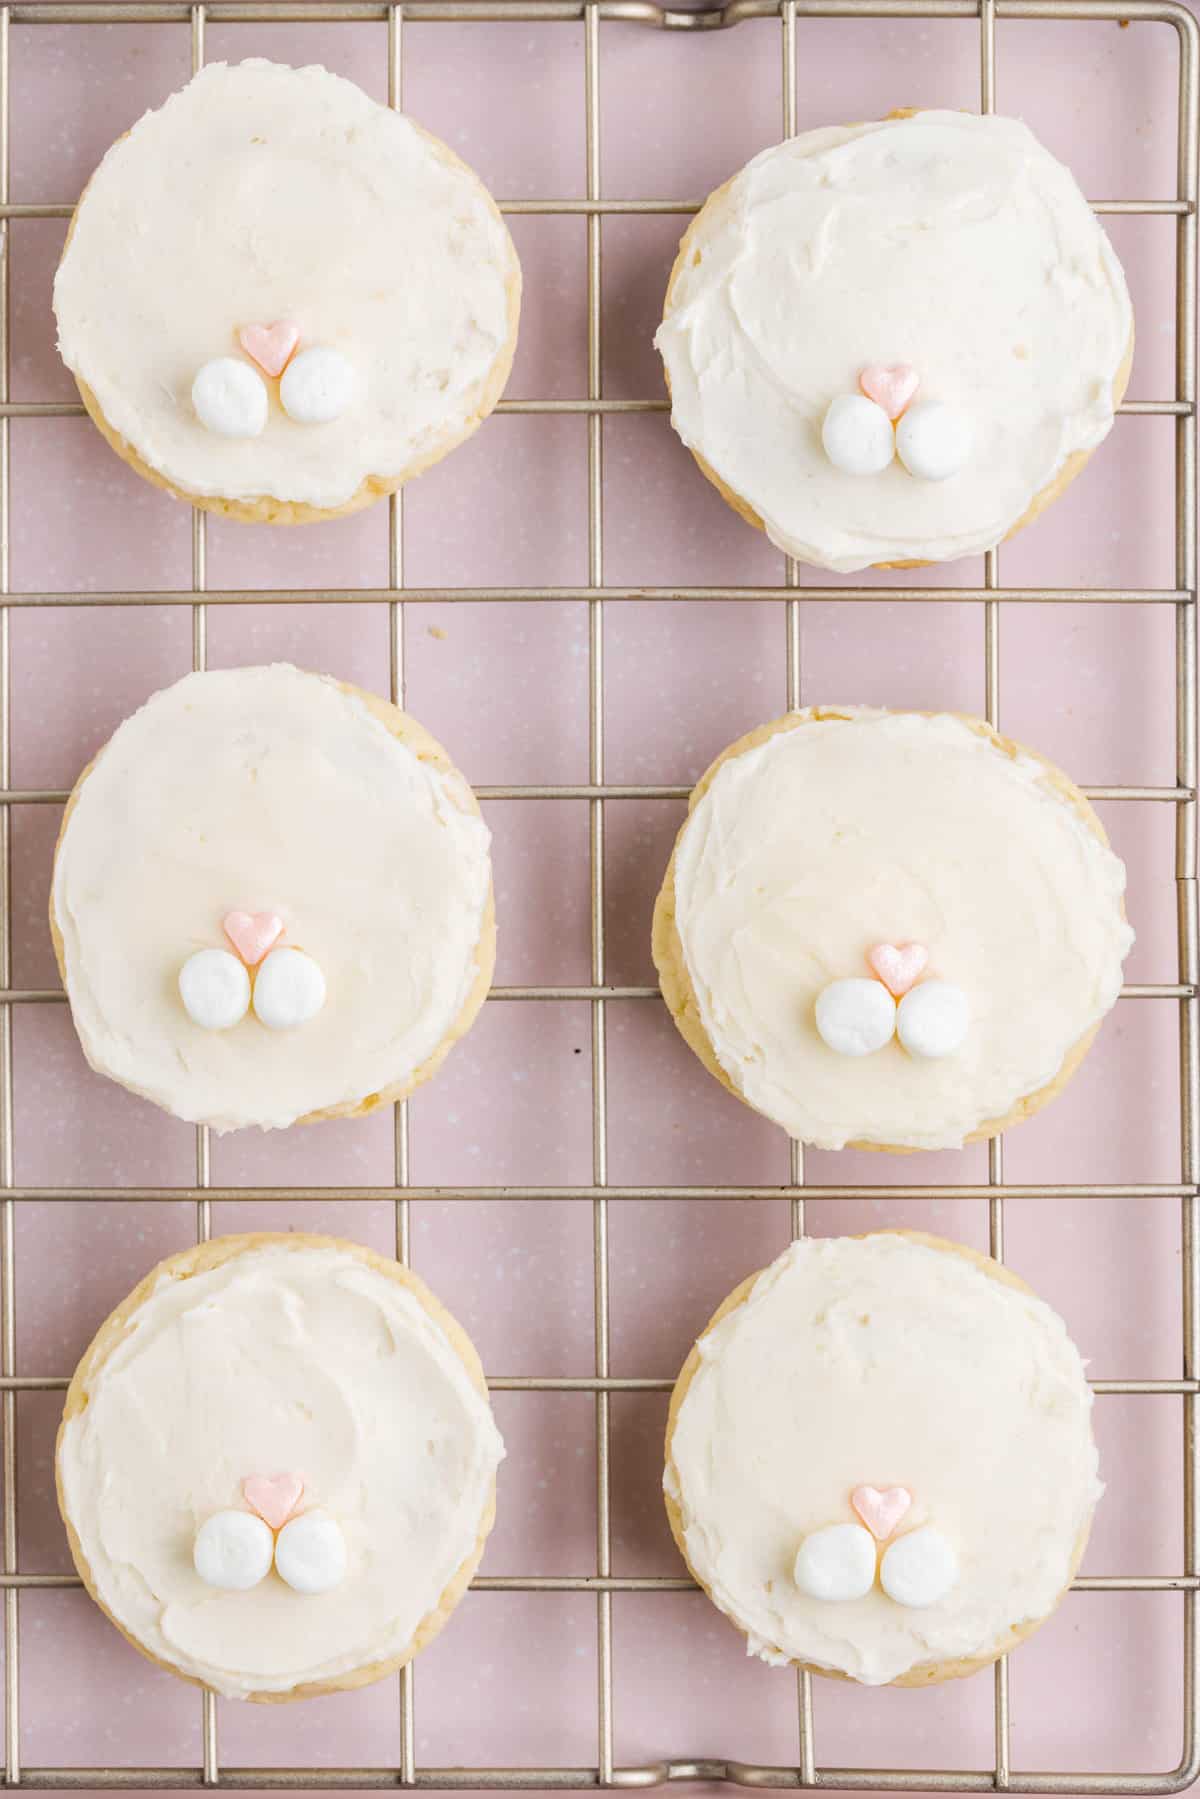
<point>303,1358</point>
<point>233,1551</point>
<point>266,788</point>
<point>215,989</point>
<point>946,241</point>
<point>260,193</point>
<point>835,836</point>
<point>890,1361</point>
<point>289,990</point>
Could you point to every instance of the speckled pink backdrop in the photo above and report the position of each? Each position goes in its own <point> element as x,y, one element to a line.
<point>505,686</point>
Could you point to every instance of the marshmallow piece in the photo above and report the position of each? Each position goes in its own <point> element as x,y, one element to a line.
<point>233,1551</point>
<point>215,989</point>
<point>856,1017</point>
<point>230,398</point>
<point>932,1019</point>
<point>316,386</point>
<point>858,435</point>
<point>836,1563</point>
<point>919,1569</point>
<point>934,440</point>
<point>289,989</point>
<point>310,1553</point>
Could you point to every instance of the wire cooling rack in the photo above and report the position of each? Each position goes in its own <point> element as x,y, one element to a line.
<point>782,15</point>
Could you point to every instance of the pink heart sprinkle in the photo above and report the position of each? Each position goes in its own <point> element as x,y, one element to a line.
<point>890,385</point>
<point>273,1496</point>
<point>880,1512</point>
<point>252,934</point>
<point>271,346</point>
<point>898,965</point>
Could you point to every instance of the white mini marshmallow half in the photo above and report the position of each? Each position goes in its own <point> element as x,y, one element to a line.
<point>316,386</point>
<point>920,1569</point>
<point>289,989</point>
<point>233,1551</point>
<point>932,1019</point>
<point>836,1563</point>
<point>856,1017</point>
<point>858,436</point>
<point>230,398</point>
<point>934,441</point>
<point>310,1553</point>
<point>215,989</point>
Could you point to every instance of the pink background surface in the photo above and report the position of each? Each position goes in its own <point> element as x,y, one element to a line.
<point>505,686</point>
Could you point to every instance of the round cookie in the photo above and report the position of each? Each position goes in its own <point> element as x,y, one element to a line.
<point>909,1496</point>
<point>281,300</point>
<point>895,343</point>
<point>277,1465</point>
<point>896,930</point>
<point>271,901</point>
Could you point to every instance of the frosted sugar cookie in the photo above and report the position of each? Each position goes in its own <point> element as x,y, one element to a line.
<point>277,1465</point>
<point>909,1495</point>
<point>281,300</point>
<point>271,901</point>
<point>896,343</point>
<point>892,929</point>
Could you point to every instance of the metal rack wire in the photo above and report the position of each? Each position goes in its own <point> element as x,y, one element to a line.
<point>600,1195</point>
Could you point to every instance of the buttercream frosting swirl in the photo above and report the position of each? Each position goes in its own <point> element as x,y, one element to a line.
<point>949,242</point>
<point>280,1357</point>
<point>257,193</point>
<point>890,1361</point>
<point>853,827</point>
<point>268,788</point>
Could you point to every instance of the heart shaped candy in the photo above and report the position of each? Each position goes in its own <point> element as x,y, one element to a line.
<point>898,965</point>
<point>252,934</point>
<point>271,346</point>
<point>273,1496</point>
<point>881,1511</point>
<point>890,385</point>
